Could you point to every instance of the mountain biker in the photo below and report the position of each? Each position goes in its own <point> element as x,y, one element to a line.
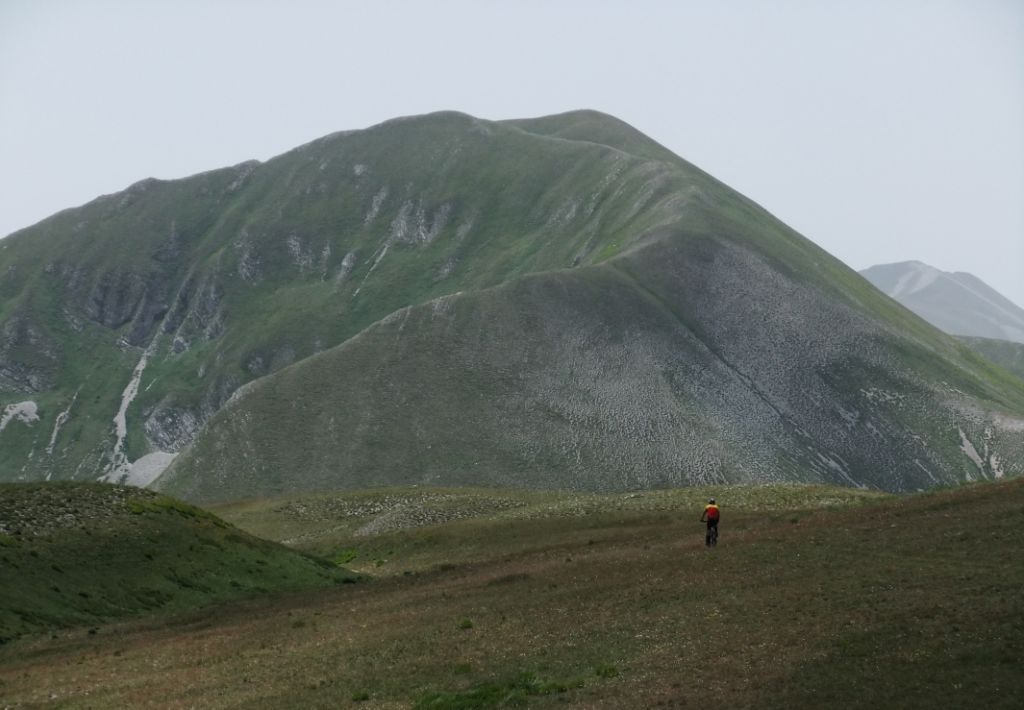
<point>710,516</point>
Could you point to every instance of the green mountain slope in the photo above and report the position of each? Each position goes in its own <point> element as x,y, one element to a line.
<point>585,379</point>
<point>1004,353</point>
<point>76,554</point>
<point>230,275</point>
<point>556,302</point>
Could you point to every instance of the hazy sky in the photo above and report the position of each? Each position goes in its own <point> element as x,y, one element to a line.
<point>883,130</point>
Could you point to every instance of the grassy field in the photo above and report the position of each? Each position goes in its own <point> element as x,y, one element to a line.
<point>814,597</point>
<point>82,555</point>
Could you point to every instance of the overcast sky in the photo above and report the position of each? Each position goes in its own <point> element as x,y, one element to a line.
<point>883,130</point>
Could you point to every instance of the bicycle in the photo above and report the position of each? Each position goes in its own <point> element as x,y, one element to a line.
<point>711,537</point>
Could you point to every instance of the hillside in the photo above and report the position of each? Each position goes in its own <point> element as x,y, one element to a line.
<point>720,347</point>
<point>556,302</point>
<point>126,352</point>
<point>957,303</point>
<point>813,597</point>
<point>88,554</point>
<point>1004,353</point>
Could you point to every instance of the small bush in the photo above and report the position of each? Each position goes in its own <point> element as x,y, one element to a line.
<point>466,624</point>
<point>360,696</point>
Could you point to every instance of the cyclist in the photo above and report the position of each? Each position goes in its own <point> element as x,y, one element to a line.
<point>710,516</point>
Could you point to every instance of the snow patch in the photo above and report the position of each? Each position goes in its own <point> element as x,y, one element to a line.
<point>347,264</point>
<point>148,468</point>
<point>26,412</point>
<point>375,205</point>
<point>62,419</point>
<point>917,462</point>
<point>373,266</point>
<point>970,452</point>
<point>997,466</point>
<point>119,463</point>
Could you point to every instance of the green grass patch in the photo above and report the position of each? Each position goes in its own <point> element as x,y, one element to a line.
<point>511,693</point>
<point>85,553</point>
<point>344,557</point>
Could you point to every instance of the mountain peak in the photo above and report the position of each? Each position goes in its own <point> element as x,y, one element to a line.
<point>957,302</point>
<point>596,127</point>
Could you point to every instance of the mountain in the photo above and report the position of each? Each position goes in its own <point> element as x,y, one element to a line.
<point>90,553</point>
<point>958,303</point>
<point>555,302</point>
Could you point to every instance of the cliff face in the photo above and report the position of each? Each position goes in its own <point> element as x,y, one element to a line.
<point>641,322</point>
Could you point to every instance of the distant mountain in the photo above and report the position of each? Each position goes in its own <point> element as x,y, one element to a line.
<point>557,302</point>
<point>958,303</point>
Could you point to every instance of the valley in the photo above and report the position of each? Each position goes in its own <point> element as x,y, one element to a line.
<point>483,599</point>
<point>402,356</point>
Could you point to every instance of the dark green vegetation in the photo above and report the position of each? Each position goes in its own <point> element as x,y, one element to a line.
<point>86,554</point>
<point>1004,353</point>
<point>814,598</point>
<point>558,302</point>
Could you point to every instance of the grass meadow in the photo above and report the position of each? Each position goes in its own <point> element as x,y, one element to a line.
<point>815,597</point>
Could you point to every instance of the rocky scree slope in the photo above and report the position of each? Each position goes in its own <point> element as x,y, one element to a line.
<point>556,302</point>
